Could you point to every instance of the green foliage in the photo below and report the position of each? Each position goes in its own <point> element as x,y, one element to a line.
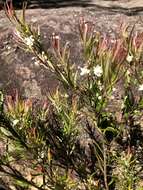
<point>125,172</point>
<point>76,141</point>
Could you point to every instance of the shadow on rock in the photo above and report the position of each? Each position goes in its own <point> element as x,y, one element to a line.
<point>118,9</point>
<point>52,3</point>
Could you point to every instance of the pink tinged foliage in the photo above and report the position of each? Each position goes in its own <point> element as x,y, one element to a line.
<point>28,105</point>
<point>9,8</point>
<point>55,40</point>
<point>85,29</point>
<point>119,52</point>
<point>9,103</point>
<point>15,103</point>
<point>102,46</point>
<point>45,105</point>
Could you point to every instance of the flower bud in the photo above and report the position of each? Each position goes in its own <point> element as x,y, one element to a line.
<point>55,41</point>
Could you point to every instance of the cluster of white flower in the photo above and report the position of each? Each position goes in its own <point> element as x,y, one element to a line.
<point>84,71</point>
<point>29,41</point>
<point>97,70</point>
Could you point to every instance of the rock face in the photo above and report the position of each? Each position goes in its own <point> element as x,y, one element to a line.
<point>17,68</point>
<point>126,6</point>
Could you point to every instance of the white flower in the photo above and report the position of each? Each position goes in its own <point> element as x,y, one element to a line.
<point>8,47</point>
<point>44,56</point>
<point>37,62</point>
<point>29,41</point>
<point>65,95</point>
<point>128,72</point>
<point>98,71</point>
<point>84,71</point>
<point>129,58</point>
<point>112,97</point>
<point>100,86</point>
<point>140,87</point>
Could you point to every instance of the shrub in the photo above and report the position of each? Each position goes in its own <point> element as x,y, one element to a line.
<point>77,140</point>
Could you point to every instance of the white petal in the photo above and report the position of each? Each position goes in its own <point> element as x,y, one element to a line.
<point>140,87</point>
<point>98,70</point>
<point>84,71</point>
